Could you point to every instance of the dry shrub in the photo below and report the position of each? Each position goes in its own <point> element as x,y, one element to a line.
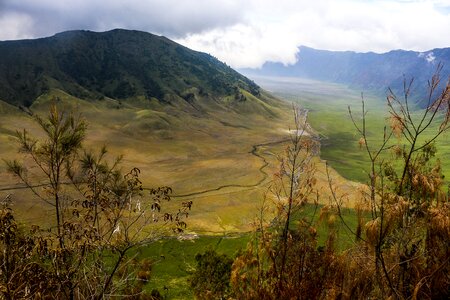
<point>353,276</point>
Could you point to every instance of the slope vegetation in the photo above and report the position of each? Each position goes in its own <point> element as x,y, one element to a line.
<point>118,64</point>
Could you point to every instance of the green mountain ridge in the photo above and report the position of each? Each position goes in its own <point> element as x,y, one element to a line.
<point>118,64</point>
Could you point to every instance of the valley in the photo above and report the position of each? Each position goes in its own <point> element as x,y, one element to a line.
<point>217,166</point>
<point>329,116</point>
<point>224,169</point>
<point>224,163</point>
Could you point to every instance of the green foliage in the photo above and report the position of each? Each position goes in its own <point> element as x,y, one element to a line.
<point>211,279</point>
<point>119,64</point>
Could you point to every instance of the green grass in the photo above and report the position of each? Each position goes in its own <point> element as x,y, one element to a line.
<point>344,228</point>
<point>328,114</point>
<point>189,153</point>
<point>174,260</point>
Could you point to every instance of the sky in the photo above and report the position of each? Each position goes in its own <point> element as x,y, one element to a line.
<point>245,33</point>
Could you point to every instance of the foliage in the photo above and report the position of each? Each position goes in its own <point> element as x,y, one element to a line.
<point>211,279</point>
<point>87,251</point>
<point>119,64</point>
<point>401,248</point>
<point>20,275</point>
<point>284,262</point>
<point>405,251</point>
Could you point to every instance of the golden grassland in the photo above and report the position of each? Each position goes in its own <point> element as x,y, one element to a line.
<point>204,155</point>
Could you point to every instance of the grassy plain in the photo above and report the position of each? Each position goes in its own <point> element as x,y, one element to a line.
<point>190,149</point>
<point>174,260</point>
<point>204,156</point>
<point>328,114</point>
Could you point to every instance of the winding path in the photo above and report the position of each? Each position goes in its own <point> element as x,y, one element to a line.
<point>254,152</point>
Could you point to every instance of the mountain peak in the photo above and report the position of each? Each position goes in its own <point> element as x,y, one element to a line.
<point>118,64</point>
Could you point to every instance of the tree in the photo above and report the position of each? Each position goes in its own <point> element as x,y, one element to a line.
<point>54,157</point>
<point>284,261</point>
<point>211,279</point>
<point>101,214</point>
<point>406,236</point>
<point>401,248</point>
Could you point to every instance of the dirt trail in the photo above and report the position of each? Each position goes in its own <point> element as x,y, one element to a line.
<point>254,152</point>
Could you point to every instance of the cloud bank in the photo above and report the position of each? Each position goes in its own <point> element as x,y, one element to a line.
<point>245,33</point>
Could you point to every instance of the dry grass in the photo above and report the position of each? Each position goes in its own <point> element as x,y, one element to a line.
<point>191,154</point>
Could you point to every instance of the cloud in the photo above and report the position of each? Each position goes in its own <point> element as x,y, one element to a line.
<point>18,26</point>
<point>166,17</point>
<point>245,33</point>
<point>362,26</point>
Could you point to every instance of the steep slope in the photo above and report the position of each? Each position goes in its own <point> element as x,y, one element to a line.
<point>366,71</point>
<point>118,64</point>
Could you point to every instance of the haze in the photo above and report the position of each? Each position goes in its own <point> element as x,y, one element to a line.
<point>245,33</point>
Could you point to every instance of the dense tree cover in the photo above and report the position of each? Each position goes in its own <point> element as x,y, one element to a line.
<point>119,64</point>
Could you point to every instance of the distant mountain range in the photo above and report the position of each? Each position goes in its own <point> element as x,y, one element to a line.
<point>117,64</point>
<point>122,64</point>
<point>365,71</point>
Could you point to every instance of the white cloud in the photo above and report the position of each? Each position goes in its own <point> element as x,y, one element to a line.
<point>18,26</point>
<point>246,33</point>
<point>169,17</point>
<point>363,26</point>
<point>430,57</point>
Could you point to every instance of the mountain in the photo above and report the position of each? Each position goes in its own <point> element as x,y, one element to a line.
<point>365,71</point>
<point>117,64</point>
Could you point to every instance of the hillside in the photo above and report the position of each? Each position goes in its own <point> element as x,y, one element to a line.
<point>364,71</point>
<point>182,117</point>
<point>118,64</point>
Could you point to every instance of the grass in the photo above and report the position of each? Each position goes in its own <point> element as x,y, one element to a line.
<point>174,260</point>
<point>191,152</point>
<point>328,114</point>
<point>343,228</point>
<point>196,153</point>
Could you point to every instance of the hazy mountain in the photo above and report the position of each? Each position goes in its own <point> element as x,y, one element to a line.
<point>365,71</point>
<point>118,64</point>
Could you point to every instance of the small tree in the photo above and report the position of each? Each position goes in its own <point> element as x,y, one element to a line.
<point>53,156</point>
<point>408,231</point>
<point>211,279</point>
<point>283,260</point>
<point>100,213</point>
